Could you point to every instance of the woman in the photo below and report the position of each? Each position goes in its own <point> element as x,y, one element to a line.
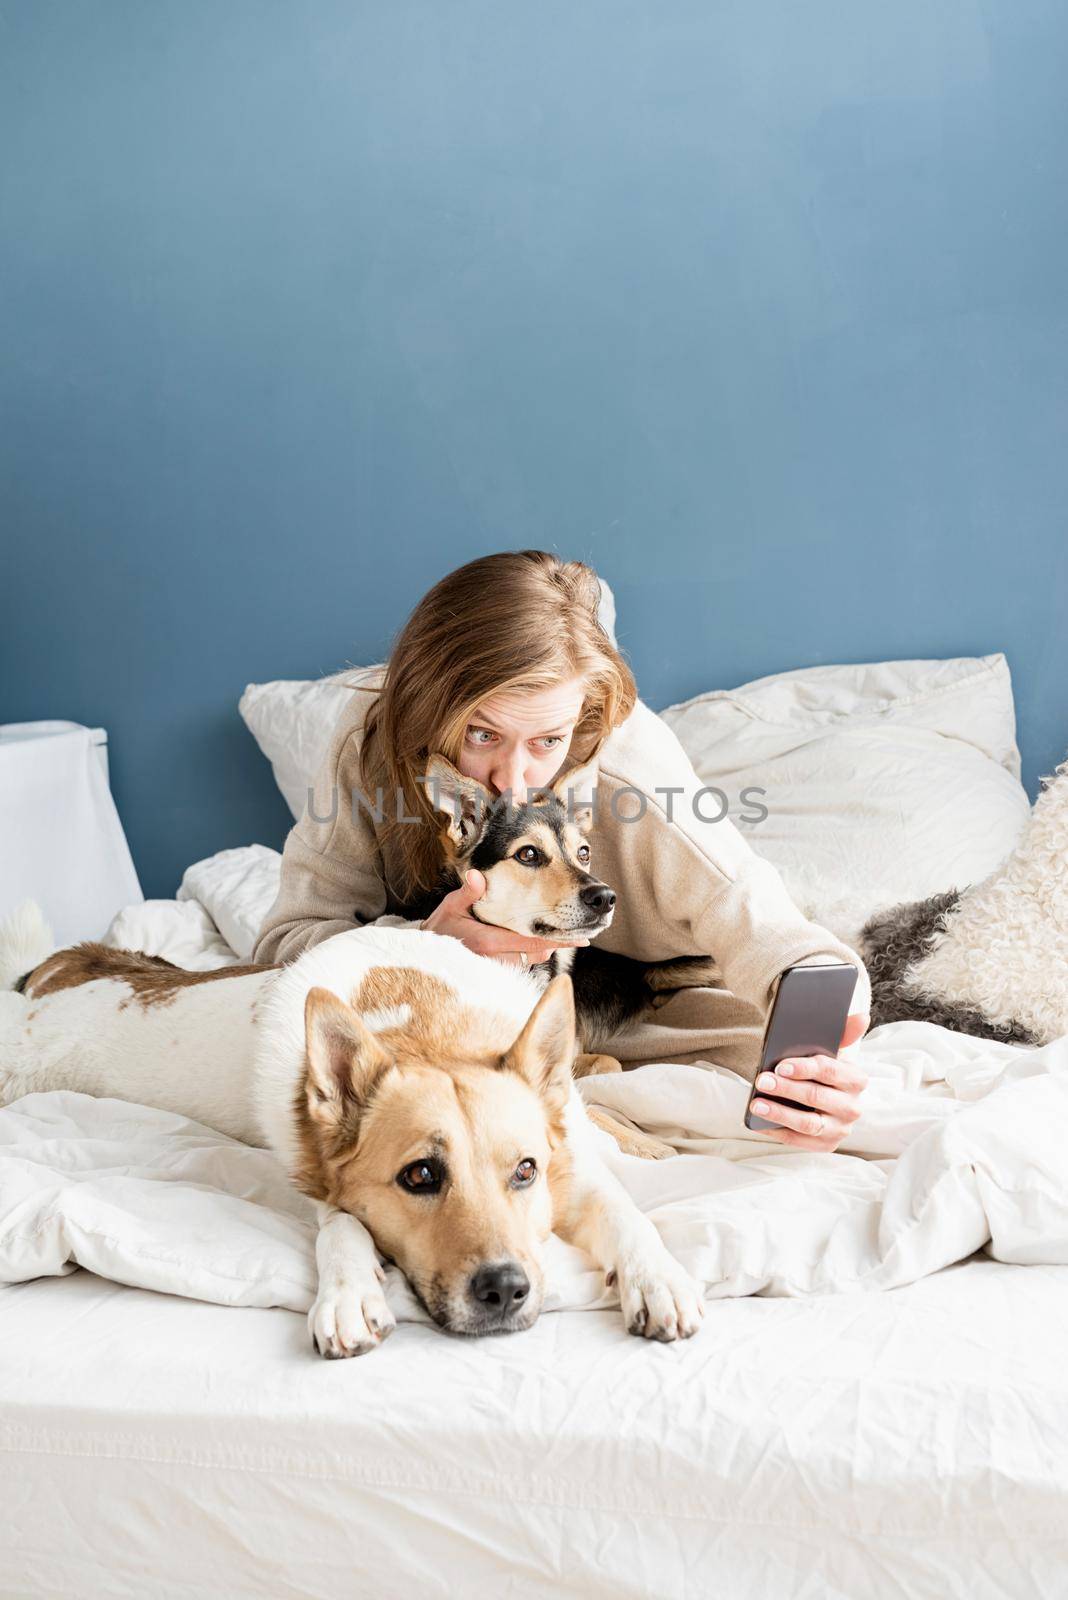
<point>504,667</point>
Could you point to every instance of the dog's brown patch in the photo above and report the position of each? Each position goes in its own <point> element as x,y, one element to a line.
<point>441,1028</point>
<point>152,980</point>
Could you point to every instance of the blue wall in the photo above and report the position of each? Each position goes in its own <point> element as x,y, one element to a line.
<point>761,307</point>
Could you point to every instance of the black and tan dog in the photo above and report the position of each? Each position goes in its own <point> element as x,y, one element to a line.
<point>535,856</point>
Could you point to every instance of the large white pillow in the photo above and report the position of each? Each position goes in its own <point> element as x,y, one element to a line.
<point>292,720</point>
<point>884,782</point>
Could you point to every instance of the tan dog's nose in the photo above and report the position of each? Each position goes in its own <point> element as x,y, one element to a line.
<point>502,1286</point>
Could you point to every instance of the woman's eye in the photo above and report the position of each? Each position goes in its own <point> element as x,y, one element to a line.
<point>528,855</point>
<point>422,1177</point>
<point>525,1173</point>
<point>473,735</point>
<point>553,739</point>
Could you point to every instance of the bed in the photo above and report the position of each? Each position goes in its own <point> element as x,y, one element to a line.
<point>910,1443</point>
<point>876,1403</point>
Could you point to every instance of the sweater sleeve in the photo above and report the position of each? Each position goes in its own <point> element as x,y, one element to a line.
<point>691,884</point>
<point>332,873</point>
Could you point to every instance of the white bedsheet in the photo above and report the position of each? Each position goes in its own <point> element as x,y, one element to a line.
<point>840,1447</point>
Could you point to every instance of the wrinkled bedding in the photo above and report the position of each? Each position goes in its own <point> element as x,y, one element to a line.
<point>960,1148</point>
<point>829,1448</point>
<point>970,1159</point>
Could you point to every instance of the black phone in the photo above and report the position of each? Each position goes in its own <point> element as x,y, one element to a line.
<point>808,1017</point>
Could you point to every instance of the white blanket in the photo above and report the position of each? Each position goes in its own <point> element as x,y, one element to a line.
<point>157,1201</point>
<point>961,1148</point>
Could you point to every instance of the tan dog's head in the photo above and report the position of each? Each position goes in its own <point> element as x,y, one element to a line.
<point>532,852</point>
<point>444,1155</point>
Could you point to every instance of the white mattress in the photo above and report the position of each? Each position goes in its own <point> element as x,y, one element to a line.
<point>909,1443</point>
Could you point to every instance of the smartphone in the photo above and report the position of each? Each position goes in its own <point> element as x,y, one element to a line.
<point>808,1018</point>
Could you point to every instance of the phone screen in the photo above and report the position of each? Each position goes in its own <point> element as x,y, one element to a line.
<point>807,1018</point>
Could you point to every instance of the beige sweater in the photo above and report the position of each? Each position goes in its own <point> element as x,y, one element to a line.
<point>685,887</point>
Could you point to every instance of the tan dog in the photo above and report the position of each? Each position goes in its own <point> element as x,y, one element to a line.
<point>419,1093</point>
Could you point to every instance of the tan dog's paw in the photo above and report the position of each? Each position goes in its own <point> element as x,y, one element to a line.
<point>631,1141</point>
<point>349,1321</point>
<point>659,1299</point>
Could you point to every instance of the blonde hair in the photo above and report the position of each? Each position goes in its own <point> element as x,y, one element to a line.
<point>519,620</point>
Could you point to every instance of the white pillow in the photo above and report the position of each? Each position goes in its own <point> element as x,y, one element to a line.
<point>292,720</point>
<point>884,782</point>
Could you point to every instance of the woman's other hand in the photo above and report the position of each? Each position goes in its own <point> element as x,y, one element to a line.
<point>453,917</point>
<point>828,1086</point>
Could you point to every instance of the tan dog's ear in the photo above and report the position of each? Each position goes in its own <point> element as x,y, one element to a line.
<point>464,801</point>
<point>544,1052</point>
<point>344,1057</point>
<point>577,791</point>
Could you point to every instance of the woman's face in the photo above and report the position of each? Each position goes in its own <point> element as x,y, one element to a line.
<point>518,741</point>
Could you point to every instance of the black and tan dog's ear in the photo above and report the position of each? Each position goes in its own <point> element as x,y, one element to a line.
<point>577,791</point>
<point>464,801</point>
<point>544,1053</point>
<point>344,1057</point>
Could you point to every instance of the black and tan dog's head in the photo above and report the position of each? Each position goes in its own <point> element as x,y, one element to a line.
<point>532,851</point>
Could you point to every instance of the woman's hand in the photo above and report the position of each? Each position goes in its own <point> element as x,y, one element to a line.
<point>453,916</point>
<point>828,1085</point>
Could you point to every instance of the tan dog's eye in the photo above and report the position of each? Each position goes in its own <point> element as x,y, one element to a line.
<point>525,1173</point>
<point>529,856</point>
<point>583,853</point>
<point>422,1177</point>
